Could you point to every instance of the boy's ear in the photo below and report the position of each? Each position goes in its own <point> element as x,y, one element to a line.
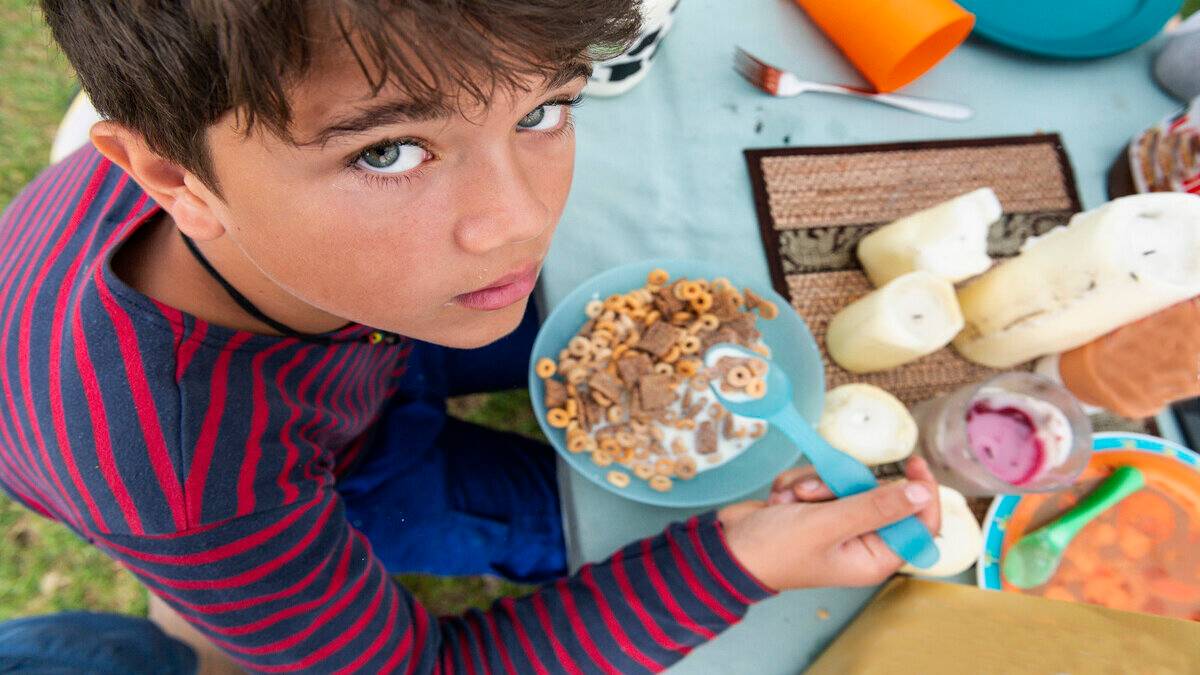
<point>176,189</point>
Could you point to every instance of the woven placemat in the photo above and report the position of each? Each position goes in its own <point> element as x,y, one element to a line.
<point>815,204</point>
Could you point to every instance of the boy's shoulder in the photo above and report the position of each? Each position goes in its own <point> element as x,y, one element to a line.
<point>88,366</point>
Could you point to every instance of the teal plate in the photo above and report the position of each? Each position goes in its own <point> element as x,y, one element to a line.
<point>1071,29</point>
<point>987,571</point>
<point>792,348</point>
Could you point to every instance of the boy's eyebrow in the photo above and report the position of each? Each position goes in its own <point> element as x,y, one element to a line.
<point>568,74</point>
<point>393,112</point>
<point>377,115</point>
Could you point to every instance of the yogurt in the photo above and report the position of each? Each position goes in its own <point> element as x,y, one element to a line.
<point>1017,437</point>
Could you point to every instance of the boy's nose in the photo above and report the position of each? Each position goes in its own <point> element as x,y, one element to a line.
<point>502,206</point>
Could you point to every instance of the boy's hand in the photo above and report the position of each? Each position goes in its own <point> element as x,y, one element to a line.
<point>799,538</point>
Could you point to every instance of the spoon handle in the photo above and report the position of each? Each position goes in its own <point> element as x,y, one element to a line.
<point>845,476</point>
<point>1124,481</point>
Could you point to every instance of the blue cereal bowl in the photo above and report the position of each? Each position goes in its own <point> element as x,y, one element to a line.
<point>792,348</point>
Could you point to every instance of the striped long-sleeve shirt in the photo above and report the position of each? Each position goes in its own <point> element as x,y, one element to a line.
<point>205,461</point>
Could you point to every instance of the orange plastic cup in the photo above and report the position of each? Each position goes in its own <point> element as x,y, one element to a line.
<point>892,42</point>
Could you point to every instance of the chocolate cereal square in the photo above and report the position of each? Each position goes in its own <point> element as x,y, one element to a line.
<point>659,338</point>
<point>706,438</point>
<point>556,393</point>
<point>656,391</point>
<point>608,386</point>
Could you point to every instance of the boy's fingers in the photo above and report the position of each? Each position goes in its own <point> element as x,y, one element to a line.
<point>812,490</point>
<point>735,512</point>
<point>868,511</point>
<point>917,470</point>
<point>799,484</point>
<point>788,478</point>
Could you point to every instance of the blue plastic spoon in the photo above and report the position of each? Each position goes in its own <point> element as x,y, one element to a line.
<point>844,475</point>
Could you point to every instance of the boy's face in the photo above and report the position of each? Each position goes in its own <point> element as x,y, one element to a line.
<point>429,223</point>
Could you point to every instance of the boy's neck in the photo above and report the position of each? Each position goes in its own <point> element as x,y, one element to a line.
<point>155,261</point>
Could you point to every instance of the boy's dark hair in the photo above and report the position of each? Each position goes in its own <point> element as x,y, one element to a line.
<point>168,69</point>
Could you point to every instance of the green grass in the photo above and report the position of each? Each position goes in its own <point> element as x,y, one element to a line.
<point>36,86</point>
<point>44,567</point>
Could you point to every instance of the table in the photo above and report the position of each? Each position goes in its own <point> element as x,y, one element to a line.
<point>660,173</point>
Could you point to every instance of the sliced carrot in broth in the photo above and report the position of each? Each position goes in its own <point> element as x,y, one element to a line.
<point>1134,544</point>
<point>1174,590</point>
<point>1149,513</point>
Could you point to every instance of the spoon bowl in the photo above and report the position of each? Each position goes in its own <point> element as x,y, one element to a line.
<point>1033,560</point>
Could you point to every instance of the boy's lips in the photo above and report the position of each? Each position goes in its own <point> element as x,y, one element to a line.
<point>502,292</point>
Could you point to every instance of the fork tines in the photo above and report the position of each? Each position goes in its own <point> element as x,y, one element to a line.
<point>760,74</point>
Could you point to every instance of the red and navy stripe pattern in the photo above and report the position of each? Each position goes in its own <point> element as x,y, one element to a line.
<point>205,460</point>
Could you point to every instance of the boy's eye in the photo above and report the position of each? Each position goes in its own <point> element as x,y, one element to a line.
<point>396,157</point>
<point>543,118</point>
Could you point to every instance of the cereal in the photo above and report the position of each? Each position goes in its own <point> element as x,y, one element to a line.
<point>626,439</point>
<point>618,478</point>
<point>616,387</point>
<point>664,467</point>
<point>738,376</point>
<point>601,399</point>
<point>685,468</point>
<point>702,302</point>
<point>579,346</point>
<point>706,438</point>
<point>578,442</point>
<point>556,394</point>
<point>660,483</point>
<point>756,388</point>
<point>658,339</point>
<point>687,367</point>
<point>558,418</point>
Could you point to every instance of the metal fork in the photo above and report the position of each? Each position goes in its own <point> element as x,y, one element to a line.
<point>778,82</point>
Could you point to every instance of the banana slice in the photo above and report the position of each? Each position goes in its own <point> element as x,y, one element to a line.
<point>949,240</point>
<point>868,424</point>
<point>960,540</point>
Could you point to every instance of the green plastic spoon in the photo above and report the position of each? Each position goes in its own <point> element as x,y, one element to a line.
<point>1032,561</point>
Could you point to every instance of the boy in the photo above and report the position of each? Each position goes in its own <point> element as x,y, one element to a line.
<point>203,363</point>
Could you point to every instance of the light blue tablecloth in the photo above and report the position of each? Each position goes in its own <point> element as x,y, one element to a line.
<point>660,172</point>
